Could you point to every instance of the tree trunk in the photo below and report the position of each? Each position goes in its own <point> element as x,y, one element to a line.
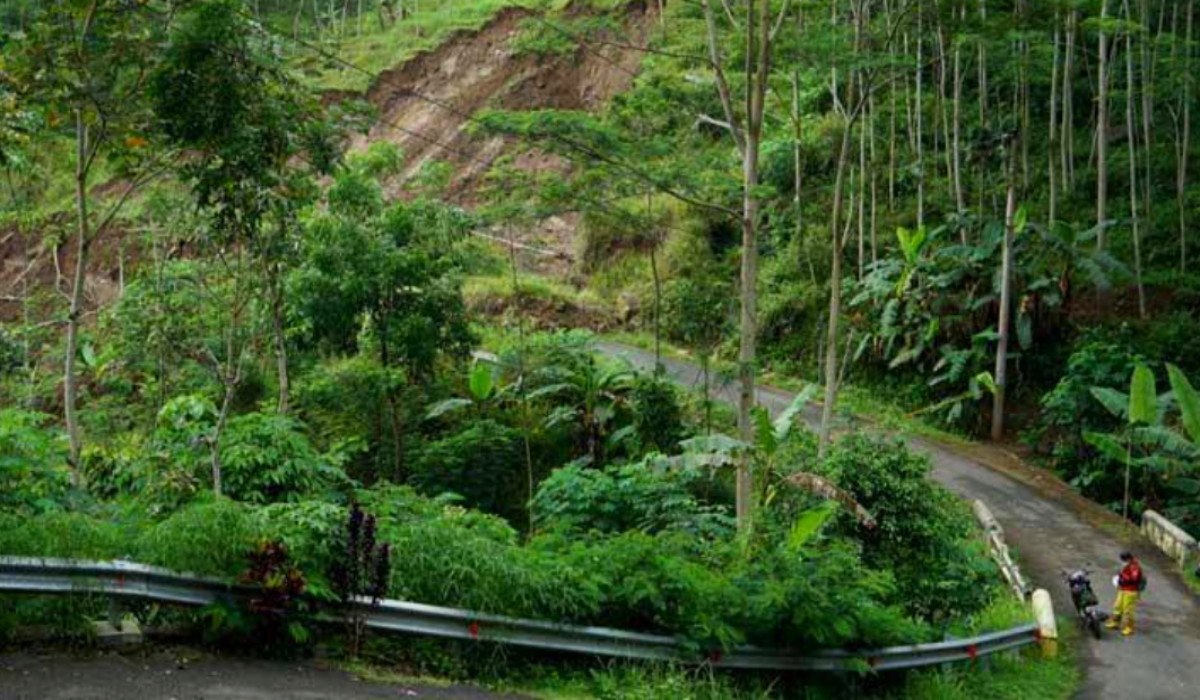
<point>658,366</point>
<point>281,356</point>
<point>798,172</point>
<point>1102,132</point>
<point>1023,93</point>
<point>1181,165</point>
<point>983,75</point>
<point>214,441</point>
<point>1053,129</point>
<point>871,167</point>
<point>749,311</point>
<point>1001,374</point>
<point>79,281</point>
<point>393,404</point>
<point>1067,138</point>
<point>860,206</point>
<point>960,201</point>
<point>918,109</point>
<point>835,295</point>
<point>1131,135</point>
<point>1147,95</point>
<point>758,70</point>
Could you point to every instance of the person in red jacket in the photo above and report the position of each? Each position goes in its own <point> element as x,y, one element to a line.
<point>1130,584</point>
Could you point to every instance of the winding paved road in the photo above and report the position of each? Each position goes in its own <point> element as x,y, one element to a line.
<point>184,674</point>
<point>1050,528</point>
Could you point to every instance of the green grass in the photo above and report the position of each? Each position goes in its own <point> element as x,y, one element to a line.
<point>632,682</point>
<point>1004,612</point>
<point>1191,574</point>
<point>499,286</point>
<point>378,48</point>
<point>1024,677</point>
<point>859,401</point>
<point>1020,676</point>
<point>378,674</point>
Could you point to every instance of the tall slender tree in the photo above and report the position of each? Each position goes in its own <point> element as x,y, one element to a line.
<point>90,59</point>
<point>1004,321</point>
<point>746,130</point>
<point>1104,62</point>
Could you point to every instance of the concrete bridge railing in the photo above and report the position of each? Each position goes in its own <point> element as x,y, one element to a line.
<point>1170,538</point>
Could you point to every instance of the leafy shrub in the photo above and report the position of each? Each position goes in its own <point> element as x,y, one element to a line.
<point>345,404</point>
<point>534,37</point>
<point>822,596</point>
<point>718,595</point>
<point>118,466</point>
<point>178,463</point>
<point>483,464</point>
<point>209,537</point>
<point>443,561</point>
<point>923,533</point>
<point>33,461</point>
<point>1172,337</point>
<point>309,530</point>
<point>1069,410</point>
<point>266,458</point>
<point>644,496</point>
<point>789,310</point>
<point>60,535</point>
<point>12,355</point>
<point>380,160</point>
<point>657,414</point>
<point>1070,406</point>
<point>650,582</point>
<point>56,534</point>
<point>361,569</point>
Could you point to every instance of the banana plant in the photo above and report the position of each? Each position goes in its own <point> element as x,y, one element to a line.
<point>1146,441</point>
<point>721,451</point>
<point>911,245</point>
<point>1188,444</point>
<point>589,395</point>
<point>482,388</point>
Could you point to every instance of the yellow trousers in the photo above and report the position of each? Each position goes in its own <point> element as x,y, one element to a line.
<point>1123,610</point>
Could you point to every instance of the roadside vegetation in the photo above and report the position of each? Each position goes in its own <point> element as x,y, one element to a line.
<point>239,339</point>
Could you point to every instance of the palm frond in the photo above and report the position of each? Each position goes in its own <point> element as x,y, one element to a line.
<point>820,486</point>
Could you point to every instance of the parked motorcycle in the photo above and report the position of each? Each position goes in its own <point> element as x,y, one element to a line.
<point>1085,600</point>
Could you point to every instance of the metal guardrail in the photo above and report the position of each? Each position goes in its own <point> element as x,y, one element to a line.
<point>127,580</point>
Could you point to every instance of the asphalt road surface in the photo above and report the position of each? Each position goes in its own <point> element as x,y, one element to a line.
<point>1049,527</point>
<point>170,675</point>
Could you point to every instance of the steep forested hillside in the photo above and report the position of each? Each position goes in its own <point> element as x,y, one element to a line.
<point>302,293</point>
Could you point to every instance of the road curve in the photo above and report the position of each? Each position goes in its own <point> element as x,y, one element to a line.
<point>1050,528</point>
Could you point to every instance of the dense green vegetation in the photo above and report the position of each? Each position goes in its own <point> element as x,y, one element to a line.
<point>299,346</point>
<point>907,150</point>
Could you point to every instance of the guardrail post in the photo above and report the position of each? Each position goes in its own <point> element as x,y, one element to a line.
<point>116,612</point>
<point>1043,611</point>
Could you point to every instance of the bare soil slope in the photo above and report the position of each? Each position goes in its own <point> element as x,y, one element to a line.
<point>426,105</point>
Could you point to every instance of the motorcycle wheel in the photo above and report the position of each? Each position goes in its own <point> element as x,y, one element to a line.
<point>1094,624</point>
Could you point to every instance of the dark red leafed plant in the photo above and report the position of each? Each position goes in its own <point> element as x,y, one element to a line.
<point>278,602</point>
<point>362,572</point>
